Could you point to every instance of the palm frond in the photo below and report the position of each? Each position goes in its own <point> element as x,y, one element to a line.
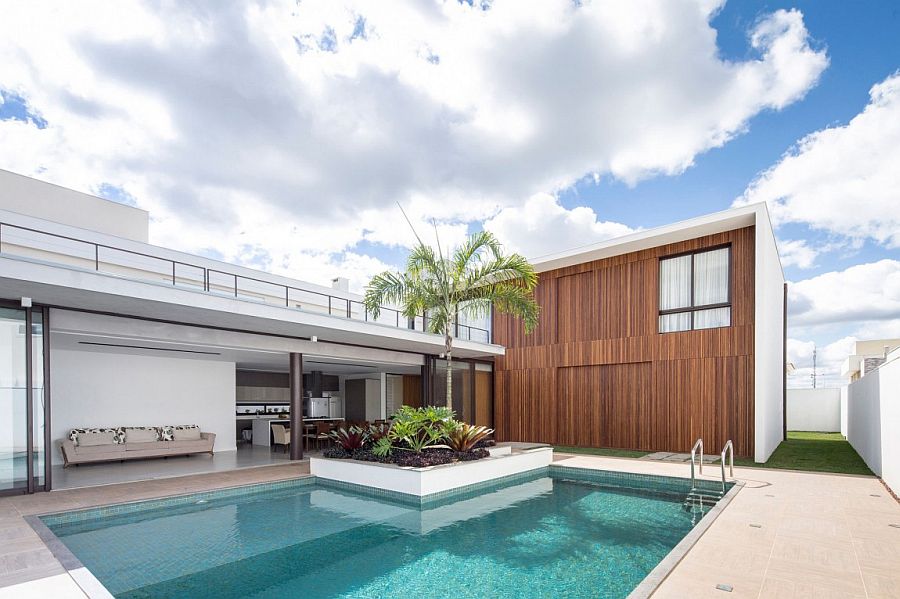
<point>473,248</point>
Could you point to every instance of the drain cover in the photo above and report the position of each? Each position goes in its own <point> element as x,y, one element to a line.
<point>725,587</point>
<point>756,526</point>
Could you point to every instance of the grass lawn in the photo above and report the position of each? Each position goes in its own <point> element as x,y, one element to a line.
<point>604,451</point>
<point>816,452</point>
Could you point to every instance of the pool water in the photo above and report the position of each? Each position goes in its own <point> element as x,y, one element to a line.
<point>547,535</point>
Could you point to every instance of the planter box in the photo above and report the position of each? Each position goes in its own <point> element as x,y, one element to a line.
<point>435,479</point>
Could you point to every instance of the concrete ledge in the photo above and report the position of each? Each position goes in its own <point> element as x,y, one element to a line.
<point>435,479</point>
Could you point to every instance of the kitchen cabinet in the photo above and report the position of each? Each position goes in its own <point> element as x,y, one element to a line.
<point>362,399</point>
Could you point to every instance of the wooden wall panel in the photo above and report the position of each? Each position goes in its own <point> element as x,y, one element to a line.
<point>412,390</point>
<point>596,372</point>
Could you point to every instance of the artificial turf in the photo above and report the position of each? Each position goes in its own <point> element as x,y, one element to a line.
<point>604,451</point>
<point>815,452</point>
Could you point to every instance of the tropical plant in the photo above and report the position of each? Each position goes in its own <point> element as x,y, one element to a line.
<point>475,278</point>
<point>350,439</point>
<point>377,432</point>
<point>416,429</point>
<point>465,436</point>
<point>382,447</point>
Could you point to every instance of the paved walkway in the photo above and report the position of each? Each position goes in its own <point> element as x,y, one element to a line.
<point>785,534</point>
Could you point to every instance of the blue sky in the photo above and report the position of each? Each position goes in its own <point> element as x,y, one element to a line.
<point>285,134</point>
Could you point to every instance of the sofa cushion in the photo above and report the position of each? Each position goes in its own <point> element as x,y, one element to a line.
<point>189,432</point>
<point>111,449</point>
<point>141,434</point>
<point>118,435</point>
<point>98,437</point>
<point>194,444</point>
<point>157,446</point>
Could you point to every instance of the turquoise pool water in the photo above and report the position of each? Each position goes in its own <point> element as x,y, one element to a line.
<point>549,534</point>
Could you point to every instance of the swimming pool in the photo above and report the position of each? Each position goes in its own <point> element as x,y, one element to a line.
<point>553,532</point>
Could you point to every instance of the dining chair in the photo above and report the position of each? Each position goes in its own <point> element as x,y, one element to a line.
<point>323,430</point>
<point>281,436</point>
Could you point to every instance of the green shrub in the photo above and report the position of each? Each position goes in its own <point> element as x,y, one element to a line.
<point>465,436</point>
<point>415,429</point>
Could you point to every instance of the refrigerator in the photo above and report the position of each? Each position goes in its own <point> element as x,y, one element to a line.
<point>318,407</point>
<point>335,406</point>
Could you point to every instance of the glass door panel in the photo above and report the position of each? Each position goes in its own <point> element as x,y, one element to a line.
<point>13,401</point>
<point>37,393</point>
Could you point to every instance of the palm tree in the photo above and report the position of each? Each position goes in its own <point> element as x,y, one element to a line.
<point>476,278</point>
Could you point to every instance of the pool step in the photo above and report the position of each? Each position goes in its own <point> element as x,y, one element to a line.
<point>699,501</point>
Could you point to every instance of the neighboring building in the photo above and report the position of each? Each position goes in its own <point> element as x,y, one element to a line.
<point>866,357</point>
<point>98,328</point>
<point>652,340</point>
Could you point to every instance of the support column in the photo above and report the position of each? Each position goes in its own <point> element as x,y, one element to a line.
<point>296,379</point>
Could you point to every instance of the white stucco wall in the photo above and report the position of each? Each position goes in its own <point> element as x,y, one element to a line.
<point>844,411</point>
<point>97,389</point>
<point>769,341</point>
<point>873,420</point>
<point>814,410</point>
<point>40,199</point>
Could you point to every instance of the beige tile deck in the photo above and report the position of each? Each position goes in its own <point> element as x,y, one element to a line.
<point>819,535</point>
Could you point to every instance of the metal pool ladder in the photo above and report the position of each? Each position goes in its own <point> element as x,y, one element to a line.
<point>698,443</point>
<point>728,445</point>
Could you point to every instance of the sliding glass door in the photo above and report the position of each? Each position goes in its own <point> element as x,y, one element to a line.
<point>13,396</point>
<point>23,409</point>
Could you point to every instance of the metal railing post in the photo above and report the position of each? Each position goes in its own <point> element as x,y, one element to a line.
<point>697,443</point>
<point>235,285</point>
<point>96,257</point>
<point>728,445</point>
<point>173,272</point>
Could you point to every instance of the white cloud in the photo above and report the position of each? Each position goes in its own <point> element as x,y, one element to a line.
<point>797,252</point>
<point>542,226</point>
<point>828,361</point>
<point>237,127</point>
<point>844,179</point>
<point>865,292</point>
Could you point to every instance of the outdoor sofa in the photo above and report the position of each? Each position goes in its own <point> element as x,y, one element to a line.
<point>88,445</point>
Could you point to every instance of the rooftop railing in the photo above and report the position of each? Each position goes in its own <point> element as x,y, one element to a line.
<point>55,248</point>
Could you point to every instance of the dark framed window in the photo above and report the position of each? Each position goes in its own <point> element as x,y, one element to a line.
<point>695,290</point>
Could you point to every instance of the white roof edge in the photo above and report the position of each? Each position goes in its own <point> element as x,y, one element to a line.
<point>709,224</point>
<point>114,204</point>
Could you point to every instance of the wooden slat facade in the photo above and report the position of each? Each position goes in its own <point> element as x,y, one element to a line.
<point>597,373</point>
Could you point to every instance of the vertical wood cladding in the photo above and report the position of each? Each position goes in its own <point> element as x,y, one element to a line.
<point>597,372</point>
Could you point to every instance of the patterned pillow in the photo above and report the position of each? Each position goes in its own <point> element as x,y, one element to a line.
<point>166,433</point>
<point>118,438</point>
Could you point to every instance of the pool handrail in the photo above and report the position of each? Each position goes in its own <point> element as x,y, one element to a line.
<point>697,443</point>
<point>728,445</point>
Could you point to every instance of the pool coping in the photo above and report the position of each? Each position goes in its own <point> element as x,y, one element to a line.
<point>668,564</point>
<point>91,586</point>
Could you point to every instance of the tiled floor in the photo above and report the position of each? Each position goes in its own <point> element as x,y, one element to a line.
<point>785,534</point>
<point>88,475</point>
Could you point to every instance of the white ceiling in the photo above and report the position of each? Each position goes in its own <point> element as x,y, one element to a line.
<point>268,361</point>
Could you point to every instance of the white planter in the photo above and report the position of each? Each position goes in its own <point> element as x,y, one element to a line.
<point>435,479</point>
